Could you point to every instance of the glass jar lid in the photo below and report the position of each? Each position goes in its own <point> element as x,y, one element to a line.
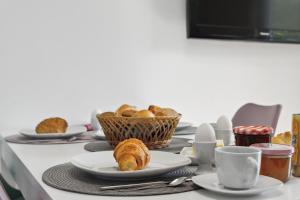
<point>274,149</point>
<point>253,130</point>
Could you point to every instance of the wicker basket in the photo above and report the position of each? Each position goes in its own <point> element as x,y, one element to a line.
<point>155,132</point>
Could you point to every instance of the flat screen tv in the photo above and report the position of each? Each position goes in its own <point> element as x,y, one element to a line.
<point>258,20</point>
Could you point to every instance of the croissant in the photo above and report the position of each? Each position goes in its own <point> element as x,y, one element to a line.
<point>154,109</point>
<point>282,138</point>
<point>125,109</point>
<point>131,154</point>
<point>144,114</point>
<point>52,125</point>
<point>167,112</point>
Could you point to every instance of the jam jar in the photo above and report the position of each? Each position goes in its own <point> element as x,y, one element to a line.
<point>247,135</point>
<point>275,160</point>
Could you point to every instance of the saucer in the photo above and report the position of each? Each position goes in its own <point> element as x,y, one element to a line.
<point>211,182</point>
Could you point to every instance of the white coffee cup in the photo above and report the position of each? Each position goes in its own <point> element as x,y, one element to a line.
<point>237,167</point>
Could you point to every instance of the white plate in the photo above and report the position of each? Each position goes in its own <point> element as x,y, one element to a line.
<point>99,135</point>
<point>210,182</point>
<point>103,164</point>
<point>70,132</point>
<point>183,125</point>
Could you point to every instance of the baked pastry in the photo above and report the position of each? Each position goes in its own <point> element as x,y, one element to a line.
<point>128,113</point>
<point>167,112</point>
<point>144,114</point>
<point>106,114</point>
<point>52,125</point>
<point>125,108</point>
<point>154,109</point>
<point>132,154</point>
<point>283,138</point>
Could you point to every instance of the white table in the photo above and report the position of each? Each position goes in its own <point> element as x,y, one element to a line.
<point>26,163</point>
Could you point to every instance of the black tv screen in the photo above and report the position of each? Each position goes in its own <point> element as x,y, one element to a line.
<point>260,20</point>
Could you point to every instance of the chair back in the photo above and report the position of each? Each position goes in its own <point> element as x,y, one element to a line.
<point>254,114</point>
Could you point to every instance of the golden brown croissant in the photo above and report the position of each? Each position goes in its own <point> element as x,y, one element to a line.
<point>52,125</point>
<point>125,109</point>
<point>106,114</point>
<point>144,114</point>
<point>132,154</point>
<point>154,109</point>
<point>129,113</point>
<point>282,138</point>
<point>167,112</point>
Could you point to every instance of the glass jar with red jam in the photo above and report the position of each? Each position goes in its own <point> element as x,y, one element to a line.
<point>247,135</point>
<point>275,160</point>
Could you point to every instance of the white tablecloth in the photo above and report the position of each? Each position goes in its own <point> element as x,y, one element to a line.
<point>26,164</point>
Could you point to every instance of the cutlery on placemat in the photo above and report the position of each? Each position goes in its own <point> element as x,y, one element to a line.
<point>175,182</point>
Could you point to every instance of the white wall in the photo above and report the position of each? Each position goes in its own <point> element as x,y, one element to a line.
<point>67,57</point>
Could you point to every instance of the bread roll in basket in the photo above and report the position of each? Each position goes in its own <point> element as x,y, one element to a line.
<point>155,131</point>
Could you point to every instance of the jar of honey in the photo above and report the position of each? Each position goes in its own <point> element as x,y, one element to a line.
<point>247,135</point>
<point>275,160</point>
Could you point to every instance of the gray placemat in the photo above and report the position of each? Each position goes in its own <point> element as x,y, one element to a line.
<point>175,146</point>
<point>69,178</point>
<point>20,139</point>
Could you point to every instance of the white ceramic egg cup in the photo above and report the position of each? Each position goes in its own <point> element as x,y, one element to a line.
<point>204,152</point>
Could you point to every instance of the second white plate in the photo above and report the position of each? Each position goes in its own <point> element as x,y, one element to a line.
<point>71,131</point>
<point>183,125</point>
<point>211,182</point>
<point>103,164</point>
